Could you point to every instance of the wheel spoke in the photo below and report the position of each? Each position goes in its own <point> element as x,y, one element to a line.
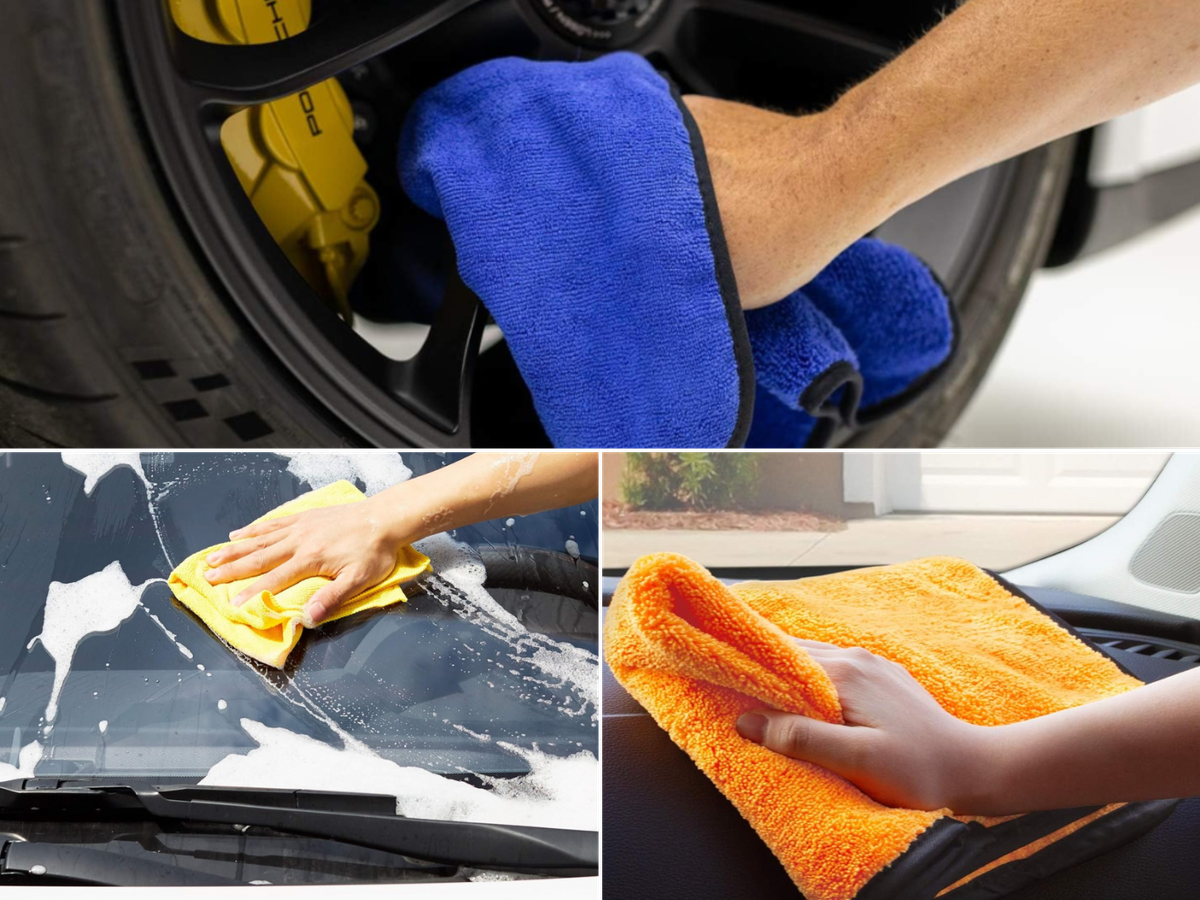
<point>437,382</point>
<point>350,34</point>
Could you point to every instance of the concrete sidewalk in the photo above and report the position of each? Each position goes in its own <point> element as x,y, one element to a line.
<point>995,541</point>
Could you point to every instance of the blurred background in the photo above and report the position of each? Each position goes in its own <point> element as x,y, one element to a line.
<point>817,510</point>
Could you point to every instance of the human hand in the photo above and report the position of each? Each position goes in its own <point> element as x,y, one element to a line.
<point>354,544</point>
<point>788,203</point>
<point>898,745</point>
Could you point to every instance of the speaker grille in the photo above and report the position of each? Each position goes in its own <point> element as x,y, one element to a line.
<point>1170,557</point>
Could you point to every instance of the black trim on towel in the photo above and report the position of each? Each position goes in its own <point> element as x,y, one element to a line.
<point>726,282</point>
<point>1104,834</point>
<point>816,400</point>
<point>890,405</point>
<point>950,850</point>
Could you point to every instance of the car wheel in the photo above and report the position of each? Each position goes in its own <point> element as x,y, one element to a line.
<point>144,303</point>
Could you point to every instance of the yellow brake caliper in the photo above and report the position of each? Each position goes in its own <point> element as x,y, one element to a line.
<point>295,157</point>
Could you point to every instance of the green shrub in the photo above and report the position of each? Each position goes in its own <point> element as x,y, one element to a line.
<point>689,480</point>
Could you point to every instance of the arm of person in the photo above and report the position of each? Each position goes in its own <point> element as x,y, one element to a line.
<point>992,80</point>
<point>356,544</point>
<point>900,747</point>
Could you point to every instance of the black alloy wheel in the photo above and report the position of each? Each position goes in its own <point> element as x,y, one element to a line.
<point>144,303</point>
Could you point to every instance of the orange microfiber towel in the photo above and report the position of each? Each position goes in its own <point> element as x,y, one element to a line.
<point>697,654</point>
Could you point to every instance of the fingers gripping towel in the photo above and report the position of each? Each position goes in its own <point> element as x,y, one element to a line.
<point>268,626</point>
<point>582,214</point>
<point>697,654</point>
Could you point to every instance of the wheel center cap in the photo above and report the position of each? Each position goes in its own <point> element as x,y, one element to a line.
<point>603,24</point>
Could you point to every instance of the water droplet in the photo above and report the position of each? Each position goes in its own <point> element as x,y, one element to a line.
<point>37,870</point>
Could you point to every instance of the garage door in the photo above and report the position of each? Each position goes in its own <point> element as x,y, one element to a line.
<point>1019,482</point>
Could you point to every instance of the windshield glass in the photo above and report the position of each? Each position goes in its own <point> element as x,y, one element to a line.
<point>460,681</point>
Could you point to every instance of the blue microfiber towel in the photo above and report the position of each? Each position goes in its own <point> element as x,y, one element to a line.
<point>802,359</point>
<point>777,425</point>
<point>894,313</point>
<point>581,209</point>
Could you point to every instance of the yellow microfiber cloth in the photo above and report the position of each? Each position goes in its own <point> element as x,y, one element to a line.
<point>268,626</point>
<point>697,654</point>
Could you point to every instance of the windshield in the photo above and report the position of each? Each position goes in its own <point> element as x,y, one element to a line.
<point>459,681</point>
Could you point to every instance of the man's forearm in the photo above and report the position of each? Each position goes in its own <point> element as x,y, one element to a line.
<point>1140,745</point>
<point>999,77</point>
<point>992,80</point>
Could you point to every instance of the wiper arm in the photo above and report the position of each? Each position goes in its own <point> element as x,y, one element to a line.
<point>368,820</point>
<point>93,866</point>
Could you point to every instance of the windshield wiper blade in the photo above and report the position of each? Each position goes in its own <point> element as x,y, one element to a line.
<point>368,820</point>
<point>52,861</point>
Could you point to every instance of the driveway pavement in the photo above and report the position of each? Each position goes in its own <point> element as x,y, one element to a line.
<point>995,541</point>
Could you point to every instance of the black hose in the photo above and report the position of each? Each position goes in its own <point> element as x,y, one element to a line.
<point>536,569</point>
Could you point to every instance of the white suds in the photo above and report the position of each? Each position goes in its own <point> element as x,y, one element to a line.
<point>483,877</point>
<point>3,700</point>
<point>39,869</point>
<point>510,522</point>
<point>27,760</point>
<point>94,466</point>
<point>460,566</point>
<point>475,734</point>
<point>93,605</point>
<point>557,793</point>
<point>103,725</point>
<point>222,705</point>
<point>169,633</point>
<point>377,470</point>
<point>508,470</point>
<point>573,549</point>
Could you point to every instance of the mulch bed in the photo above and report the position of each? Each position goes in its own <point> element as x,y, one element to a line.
<point>620,516</point>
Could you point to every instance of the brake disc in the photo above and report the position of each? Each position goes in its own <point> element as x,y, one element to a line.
<point>295,157</point>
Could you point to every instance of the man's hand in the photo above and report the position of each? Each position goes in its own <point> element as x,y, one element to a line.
<point>785,212</point>
<point>898,745</point>
<point>352,544</point>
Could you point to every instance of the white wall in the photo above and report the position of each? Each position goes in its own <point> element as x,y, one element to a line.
<point>1007,482</point>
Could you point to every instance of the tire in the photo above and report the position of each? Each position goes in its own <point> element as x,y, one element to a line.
<point>987,296</point>
<point>113,332</point>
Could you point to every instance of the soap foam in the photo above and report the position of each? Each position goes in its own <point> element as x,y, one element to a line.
<point>557,792</point>
<point>27,760</point>
<point>459,566</point>
<point>95,466</point>
<point>95,604</point>
<point>507,472</point>
<point>376,470</point>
